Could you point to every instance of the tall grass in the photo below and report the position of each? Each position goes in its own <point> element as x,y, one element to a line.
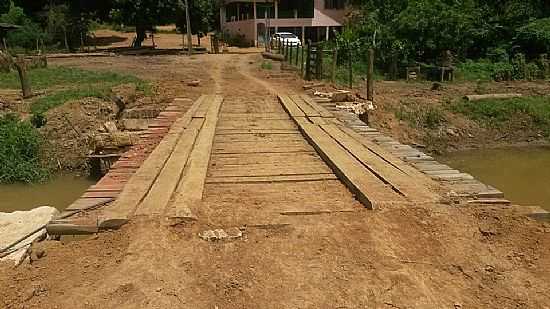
<point>496,113</point>
<point>19,151</point>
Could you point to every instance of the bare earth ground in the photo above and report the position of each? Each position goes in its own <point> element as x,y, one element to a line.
<point>433,256</point>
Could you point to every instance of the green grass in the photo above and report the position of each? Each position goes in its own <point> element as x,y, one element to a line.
<point>19,151</point>
<point>420,116</point>
<point>72,83</point>
<point>496,113</point>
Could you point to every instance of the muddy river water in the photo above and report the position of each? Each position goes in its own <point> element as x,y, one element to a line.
<point>523,174</point>
<point>59,192</point>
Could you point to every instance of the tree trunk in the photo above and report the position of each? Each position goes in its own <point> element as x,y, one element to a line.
<point>25,82</point>
<point>140,35</point>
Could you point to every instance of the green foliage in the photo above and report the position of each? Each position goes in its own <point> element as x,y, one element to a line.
<point>19,151</point>
<point>4,6</point>
<point>25,36</point>
<point>420,116</point>
<point>74,84</point>
<point>484,70</point>
<point>38,120</point>
<point>535,36</point>
<point>496,113</point>
<point>145,14</point>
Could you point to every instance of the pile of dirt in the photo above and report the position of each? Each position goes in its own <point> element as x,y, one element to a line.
<point>70,130</point>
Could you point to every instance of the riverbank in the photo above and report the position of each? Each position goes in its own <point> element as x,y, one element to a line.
<point>438,119</point>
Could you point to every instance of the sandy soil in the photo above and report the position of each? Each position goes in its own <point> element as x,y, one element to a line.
<point>433,256</point>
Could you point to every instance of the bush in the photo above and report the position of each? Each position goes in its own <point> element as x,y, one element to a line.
<point>420,116</point>
<point>497,112</point>
<point>535,36</point>
<point>25,36</point>
<point>19,151</point>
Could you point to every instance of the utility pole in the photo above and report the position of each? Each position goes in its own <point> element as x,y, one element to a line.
<point>189,38</point>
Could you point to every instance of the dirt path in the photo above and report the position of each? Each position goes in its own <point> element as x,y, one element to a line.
<point>435,256</point>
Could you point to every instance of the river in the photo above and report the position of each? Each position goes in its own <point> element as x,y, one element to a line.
<point>59,192</point>
<point>523,174</point>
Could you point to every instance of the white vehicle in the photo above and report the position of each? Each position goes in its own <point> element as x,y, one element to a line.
<point>286,38</point>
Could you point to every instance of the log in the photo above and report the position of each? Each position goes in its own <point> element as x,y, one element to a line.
<point>65,228</point>
<point>276,57</point>
<point>498,96</point>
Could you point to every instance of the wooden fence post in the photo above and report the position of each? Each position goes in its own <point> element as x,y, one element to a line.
<point>308,61</point>
<point>302,61</point>
<point>350,66</point>
<point>290,55</point>
<point>334,63</point>
<point>319,62</point>
<point>23,77</point>
<point>370,76</point>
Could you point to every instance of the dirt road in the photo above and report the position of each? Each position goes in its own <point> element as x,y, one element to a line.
<point>434,256</point>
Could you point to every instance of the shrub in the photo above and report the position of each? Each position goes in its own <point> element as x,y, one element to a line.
<point>25,36</point>
<point>19,151</point>
<point>535,36</point>
<point>420,116</point>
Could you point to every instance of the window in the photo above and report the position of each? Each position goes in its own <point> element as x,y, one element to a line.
<point>335,4</point>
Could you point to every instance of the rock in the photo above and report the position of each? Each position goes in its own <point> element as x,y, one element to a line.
<point>452,132</point>
<point>221,235</point>
<point>135,124</point>
<point>110,126</point>
<point>194,83</point>
<point>16,225</point>
<point>436,86</point>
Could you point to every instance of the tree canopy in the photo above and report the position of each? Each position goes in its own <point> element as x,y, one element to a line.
<point>423,29</point>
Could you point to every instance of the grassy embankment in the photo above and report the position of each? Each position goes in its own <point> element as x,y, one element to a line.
<point>20,142</point>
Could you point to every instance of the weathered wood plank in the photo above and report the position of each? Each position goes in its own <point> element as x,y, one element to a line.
<point>368,189</point>
<point>191,186</point>
<point>290,107</point>
<point>415,189</point>
<point>308,110</point>
<point>161,191</point>
<point>140,183</point>
<point>262,179</point>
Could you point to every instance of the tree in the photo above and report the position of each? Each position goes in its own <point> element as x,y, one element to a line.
<point>4,6</point>
<point>203,17</point>
<point>145,14</point>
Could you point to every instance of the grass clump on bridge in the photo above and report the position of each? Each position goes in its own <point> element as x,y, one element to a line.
<point>499,113</point>
<point>19,151</point>
<point>63,84</point>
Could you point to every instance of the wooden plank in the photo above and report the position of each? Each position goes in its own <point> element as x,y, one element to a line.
<point>161,191</point>
<point>368,189</point>
<point>84,203</point>
<point>191,186</point>
<point>281,171</point>
<point>415,189</point>
<point>382,153</point>
<point>290,107</point>
<point>254,131</point>
<point>321,110</point>
<point>308,110</point>
<point>140,183</point>
<point>262,179</point>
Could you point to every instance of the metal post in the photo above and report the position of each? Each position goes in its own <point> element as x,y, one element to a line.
<point>370,76</point>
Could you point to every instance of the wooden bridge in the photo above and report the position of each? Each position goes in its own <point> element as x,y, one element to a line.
<point>276,149</point>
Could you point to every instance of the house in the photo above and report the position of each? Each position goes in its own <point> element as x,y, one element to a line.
<point>257,20</point>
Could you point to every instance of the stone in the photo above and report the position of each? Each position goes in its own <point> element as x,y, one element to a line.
<point>110,126</point>
<point>221,234</point>
<point>194,83</point>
